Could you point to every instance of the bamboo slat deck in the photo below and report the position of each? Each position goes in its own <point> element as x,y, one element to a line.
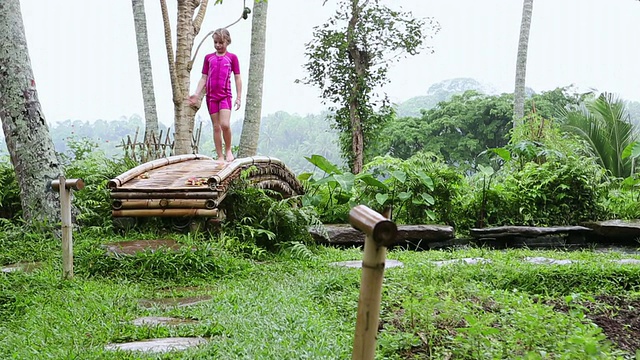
<point>192,185</point>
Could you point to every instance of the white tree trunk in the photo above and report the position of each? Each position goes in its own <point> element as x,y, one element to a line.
<point>253,106</point>
<point>27,134</point>
<point>521,63</point>
<point>144,61</point>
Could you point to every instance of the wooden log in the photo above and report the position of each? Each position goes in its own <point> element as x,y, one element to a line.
<point>140,169</point>
<point>164,195</point>
<point>118,204</point>
<point>165,212</point>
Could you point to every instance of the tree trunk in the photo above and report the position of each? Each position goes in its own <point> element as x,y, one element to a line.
<point>180,67</point>
<point>253,107</point>
<point>521,63</point>
<point>357,136</point>
<point>144,61</point>
<point>27,134</point>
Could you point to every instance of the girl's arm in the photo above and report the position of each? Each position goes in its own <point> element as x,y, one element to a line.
<point>197,96</point>
<point>238,79</point>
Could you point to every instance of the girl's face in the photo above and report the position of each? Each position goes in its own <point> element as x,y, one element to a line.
<point>220,44</point>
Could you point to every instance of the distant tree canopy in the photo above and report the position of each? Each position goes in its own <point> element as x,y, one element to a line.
<point>461,128</point>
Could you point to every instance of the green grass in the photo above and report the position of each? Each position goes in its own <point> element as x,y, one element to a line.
<point>280,307</point>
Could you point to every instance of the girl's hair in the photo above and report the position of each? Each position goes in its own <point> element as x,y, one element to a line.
<point>224,34</point>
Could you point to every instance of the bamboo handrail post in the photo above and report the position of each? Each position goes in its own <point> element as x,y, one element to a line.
<point>64,186</point>
<point>380,233</point>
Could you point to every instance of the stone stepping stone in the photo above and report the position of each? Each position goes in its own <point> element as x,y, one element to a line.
<point>24,267</point>
<point>173,302</point>
<point>628,261</point>
<point>136,246</point>
<point>358,264</point>
<point>547,261</point>
<point>159,320</point>
<point>158,345</point>
<point>628,230</point>
<point>467,261</point>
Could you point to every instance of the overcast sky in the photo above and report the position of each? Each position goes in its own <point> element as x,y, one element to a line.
<point>84,57</point>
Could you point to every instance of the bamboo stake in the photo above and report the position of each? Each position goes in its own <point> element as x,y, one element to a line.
<point>64,186</point>
<point>67,235</point>
<point>380,233</point>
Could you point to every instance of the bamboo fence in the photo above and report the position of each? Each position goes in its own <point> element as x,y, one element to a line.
<point>154,147</point>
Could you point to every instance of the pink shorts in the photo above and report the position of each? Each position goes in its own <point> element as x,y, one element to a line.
<point>215,106</point>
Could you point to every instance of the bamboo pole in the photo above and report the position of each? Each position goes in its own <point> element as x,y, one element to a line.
<point>380,232</point>
<point>67,235</point>
<point>64,186</point>
<point>118,204</point>
<point>161,195</point>
<point>164,212</point>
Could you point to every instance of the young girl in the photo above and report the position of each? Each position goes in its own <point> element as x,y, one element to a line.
<point>216,78</point>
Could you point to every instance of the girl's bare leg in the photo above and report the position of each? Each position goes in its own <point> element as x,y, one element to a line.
<point>217,135</point>
<point>224,121</point>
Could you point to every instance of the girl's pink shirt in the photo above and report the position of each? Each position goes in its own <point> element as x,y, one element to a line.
<point>218,69</point>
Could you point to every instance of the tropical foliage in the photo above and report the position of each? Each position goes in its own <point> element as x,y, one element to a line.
<point>460,129</point>
<point>606,126</point>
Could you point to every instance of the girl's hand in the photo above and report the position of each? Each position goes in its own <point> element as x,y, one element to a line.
<point>237,102</point>
<point>193,100</point>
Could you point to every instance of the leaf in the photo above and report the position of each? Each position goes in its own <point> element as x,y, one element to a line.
<point>345,180</point>
<point>425,179</point>
<point>326,180</point>
<point>371,181</point>
<point>305,176</point>
<point>427,198</point>
<point>381,198</point>
<point>403,196</point>
<point>323,164</point>
<point>632,150</point>
<point>485,170</point>
<point>401,176</point>
<point>502,152</point>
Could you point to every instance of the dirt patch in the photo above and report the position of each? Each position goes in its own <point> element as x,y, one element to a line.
<point>618,317</point>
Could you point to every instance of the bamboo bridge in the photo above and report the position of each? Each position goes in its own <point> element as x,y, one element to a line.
<point>193,185</point>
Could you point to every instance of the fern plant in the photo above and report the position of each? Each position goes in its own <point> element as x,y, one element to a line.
<point>258,217</point>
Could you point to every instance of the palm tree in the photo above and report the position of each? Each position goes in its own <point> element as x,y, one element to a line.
<point>253,109</point>
<point>26,132</point>
<point>521,63</point>
<point>144,61</point>
<point>605,125</point>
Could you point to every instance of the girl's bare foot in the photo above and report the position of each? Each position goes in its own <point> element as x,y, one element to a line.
<point>230,157</point>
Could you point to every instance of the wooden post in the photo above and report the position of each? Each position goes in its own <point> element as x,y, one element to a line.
<point>380,232</point>
<point>64,186</point>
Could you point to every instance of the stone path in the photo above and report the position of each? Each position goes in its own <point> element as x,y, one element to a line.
<point>158,345</point>
<point>24,267</point>
<point>173,302</point>
<point>358,263</point>
<point>159,320</point>
<point>539,260</point>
